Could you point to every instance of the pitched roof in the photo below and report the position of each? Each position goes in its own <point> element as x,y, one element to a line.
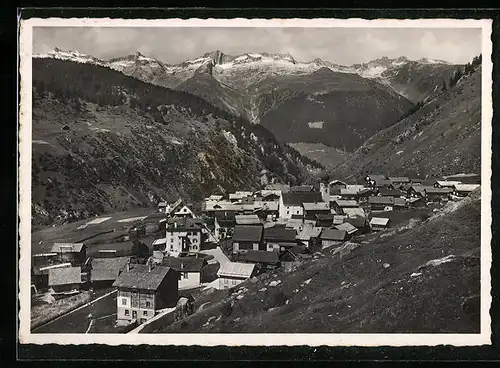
<point>247,233</point>
<point>399,202</point>
<point>104,269</point>
<point>346,203</point>
<point>281,187</point>
<point>183,224</point>
<point>160,241</point>
<point>380,200</point>
<point>346,227</point>
<point>298,198</point>
<point>236,269</point>
<point>260,256</point>
<point>67,247</point>
<point>377,177</point>
<point>65,276</point>
<point>399,179</point>
<point>184,264</point>
<point>386,192</point>
<point>381,221</point>
<point>413,200</point>
<point>349,191</point>
<point>416,180</point>
<point>466,187</point>
<point>336,182</point>
<point>354,212</point>
<point>358,222</point>
<point>438,190</point>
<point>447,183</point>
<point>382,183</point>
<point>338,219</point>
<point>316,206</point>
<point>139,277</point>
<point>309,232</point>
<point>333,234</point>
<point>280,233</point>
<point>301,188</point>
<point>247,219</point>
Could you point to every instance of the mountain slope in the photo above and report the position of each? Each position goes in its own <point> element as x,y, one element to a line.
<point>103,141</point>
<point>418,277</point>
<point>443,137</point>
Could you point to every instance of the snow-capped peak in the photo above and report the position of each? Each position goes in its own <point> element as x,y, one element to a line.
<point>432,61</point>
<point>71,55</point>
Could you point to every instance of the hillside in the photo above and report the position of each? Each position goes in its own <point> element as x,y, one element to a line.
<point>422,276</point>
<point>103,141</point>
<point>441,138</point>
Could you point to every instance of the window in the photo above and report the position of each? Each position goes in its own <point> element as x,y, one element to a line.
<point>145,313</point>
<point>195,247</point>
<point>226,281</point>
<point>171,247</point>
<point>297,212</point>
<point>127,312</point>
<point>124,301</point>
<point>185,275</point>
<point>287,212</point>
<point>148,304</point>
<point>195,240</point>
<point>234,282</point>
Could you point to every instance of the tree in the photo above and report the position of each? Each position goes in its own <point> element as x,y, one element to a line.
<point>140,249</point>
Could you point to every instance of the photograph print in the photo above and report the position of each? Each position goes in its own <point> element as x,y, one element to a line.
<point>207,181</point>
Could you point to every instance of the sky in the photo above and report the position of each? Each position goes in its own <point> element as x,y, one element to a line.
<point>344,46</point>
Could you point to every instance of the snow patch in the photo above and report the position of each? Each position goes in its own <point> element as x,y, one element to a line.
<point>131,219</point>
<point>316,124</point>
<point>230,138</point>
<point>399,152</point>
<point>439,261</point>
<point>98,220</point>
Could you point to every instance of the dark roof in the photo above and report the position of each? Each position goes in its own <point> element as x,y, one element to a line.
<point>301,188</point>
<point>65,276</point>
<point>247,233</point>
<point>399,179</point>
<point>358,222</point>
<point>438,190</point>
<point>67,247</point>
<point>416,180</point>
<point>390,192</point>
<point>260,256</point>
<point>183,224</point>
<point>104,269</point>
<point>380,200</point>
<point>383,183</point>
<point>377,177</point>
<point>184,264</point>
<point>139,277</point>
<point>324,216</point>
<point>280,233</point>
<point>298,249</point>
<point>333,234</point>
<point>297,198</point>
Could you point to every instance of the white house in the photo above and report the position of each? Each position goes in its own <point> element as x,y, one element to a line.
<point>234,273</point>
<point>184,212</point>
<point>190,269</point>
<point>291,204</point>
<point>183,237</point>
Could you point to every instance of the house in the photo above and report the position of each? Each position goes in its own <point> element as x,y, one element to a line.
<point>384,184</point>
<point>292,256</point>
<point>292,203</point>
<point>417,202</point>
<point>381,203</point>
<point>105,271</point>
<point>247,220</point>
<point>233,273</point>
<point>331,237</point>
<point>279,237</point>
<point>371,180</point>
<point>463,190</point>
<point>248,237</point>
<point>359,223</point>
<point>184,212</point>
<point>40,274</point>
<point>352,191</point>
<point>160,244</point>
<point>64,279</point>
<point>399,179</point>
<point>183,237</point>
<point>301,188</point>
<point>311,210</point>
<point>338,205</point>
<point>400,204</point>
<point>191,270</point>
<point>418,191</point>
<point>339,219</point>
<point>416,181</point>
<point>438,193</point>
<point>387,192</point>
<point>75,253</point>
<point>309,236</point>
<point>239,195</point>
<point>335,187</point>
<point>446,183</point>
<point>143,290</point>
<point>350,229</point>
<point>324,219</point>
<point>224,225</point>
<point>163,207</point>
<point>465,178</point>
<point>379,223</point>
<point>354,212</point>
<point>264,259</point>
<point>282,188</point>
<point>271,197</point>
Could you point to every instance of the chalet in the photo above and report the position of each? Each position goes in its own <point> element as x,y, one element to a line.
<point>40,274</point>
<point>446,183</point>
<point>248,237</point>
<point>176,206</point>
<point>105,271</point>
<point>463,190</point>
<point>417,202</point>
<point>75,253</point>
<point>292,203</point>
<point>338,205</point>
<point>301,189</point>
<point>331,237</point>
<point>297,224</point>
<point>248,220</point>
<point>335,186</point>
<point>224,226</point>
<point>399,179</point>
<point>381,203</point>
<point>160,243</point>
<point>282,188</point>
<point>371,180</point>
<point>353,192</point>
<point>163,207</point>
<point>339,219</point>
<point>191,270</point>
<point>416,181</point>
<point>64,279</point>
<point>438,193</point>
<point>400,204</point>
<point>291,256</point>
<point>465,178</point>
<point>386,192</point>
<point>359,223</point>
<point>309,236</point>
<point>239,195</point>
<point>279,237</point>
<point>384,184</point>
<point>184,212</point>
<point>271,197</point>
<point>379,223</point>
<point>324,219</point>
<point>143,290</point>
<point>234,273</point>
<point>354,212</point>
<point>347,227</point>
<point>264,259</point>
<point>183,237</point>
<point>417,191</point>
<point>311,210</point>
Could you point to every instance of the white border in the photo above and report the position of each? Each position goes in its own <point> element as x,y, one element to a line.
<point>235,339</point>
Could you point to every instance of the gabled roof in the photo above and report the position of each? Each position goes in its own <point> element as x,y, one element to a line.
<point>316,206</point>
<point>346,203</point>
<point>184,264</point>
<point>354,212</point>
<point>280,233</point>
<point>466,187</point>
<point>399,179</point>
<point>247,233</point>
<point>65,276</point>
<point>260,256</point>
<point>383,183</point>
<point>309,232</point>
<point>350,229</point>
<point>301,188</point>
<point>281,187</point>
<point>104,269</point>
<point>349,191</point>
<point>438,190</point>
<point>183,224</point>
<point>67,247</point>
<point>298,198</point>
<point>377,177</point>
<point>139,277</point>
<point>380,200</point>
<point>333,234</point>
<point>380,221</point>
<point>247,219</point>
<point>338,219</point>
<point>236,269</point>
<point>447,183</point>
<point>337,182</point>
<point>416,180</point>
<point>399,202</point>
<point>386,192</point>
